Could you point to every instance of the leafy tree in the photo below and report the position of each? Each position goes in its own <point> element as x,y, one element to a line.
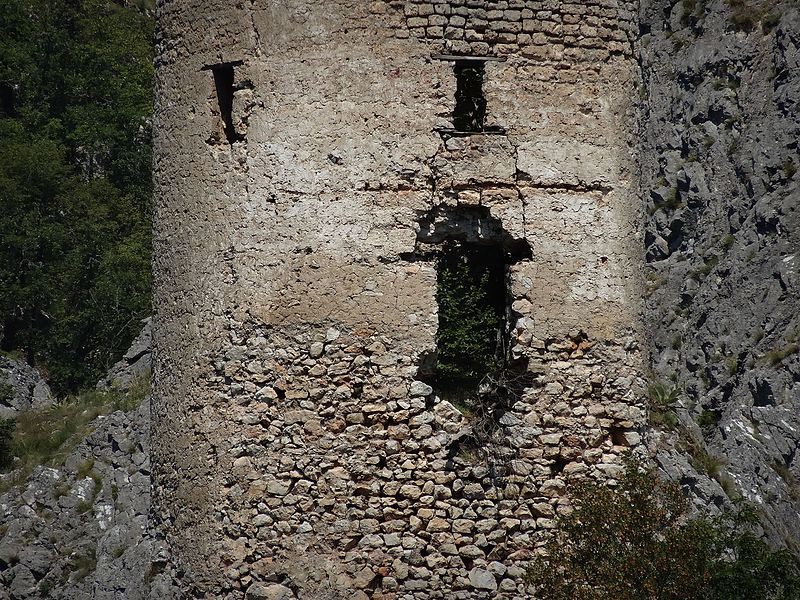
<point>75,191</point>
<point>636,542</point>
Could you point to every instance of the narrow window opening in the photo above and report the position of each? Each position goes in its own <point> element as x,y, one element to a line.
<point>223,82</point>
<point>470,110</point>
<point>225,87</point>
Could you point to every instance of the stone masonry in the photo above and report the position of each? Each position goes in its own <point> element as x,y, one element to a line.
<point>309,154</point>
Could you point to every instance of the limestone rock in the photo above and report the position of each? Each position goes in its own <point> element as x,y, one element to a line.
<point>135,365</point>
<point>722,242</point>
<point>21,388</point>
<point>482,579</point>
<point>271,591</point>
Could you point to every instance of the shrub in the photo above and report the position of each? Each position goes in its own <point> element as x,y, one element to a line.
<point>670,201</point>
<point>778,355</point>
<point>744,15</point>
<point>710,464</point>
<point>662,404</point>
<point>708,419</point>
<point>83,563</point>
<point>727,242</point>
<point>708,265</point>
<point>6,392</point>
<point>636,542</point>
<point>770,22</point>
<point>747,14</point>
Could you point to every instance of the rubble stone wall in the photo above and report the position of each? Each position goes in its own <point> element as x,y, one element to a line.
<point>554,30</point>
<point>298,447</point>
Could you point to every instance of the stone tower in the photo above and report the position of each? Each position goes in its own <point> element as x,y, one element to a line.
<point>314,158</point>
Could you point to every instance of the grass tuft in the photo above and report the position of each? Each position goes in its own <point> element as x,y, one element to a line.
<point>662,404</point>
<point>778,355</point>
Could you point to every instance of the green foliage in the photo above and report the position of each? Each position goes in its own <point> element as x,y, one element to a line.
<point>653,283</point>
<point>671,201</point>
<point>709,264</point>
<point>636,542</point>
<point>76,79</point>
<point>708,419</point>
<point>85,468</point>
<point>778,355</point>
<point>727,242</point>
<point>770,21</point>
<point>710,464</point>
<point>744,567</point>
<point>6,392</point>
<point>84,563</point>
<point>747,14</point>
<point>662,404</point>
<point>784,473</point>
<point>693,10</point>
<point>470,295</point>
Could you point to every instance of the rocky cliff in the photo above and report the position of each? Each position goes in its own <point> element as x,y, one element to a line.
<point>719,157</point>
<point>79,529</point>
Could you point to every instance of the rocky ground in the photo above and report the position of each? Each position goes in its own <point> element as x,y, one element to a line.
<point>80,530</point>
<point>720,130</point>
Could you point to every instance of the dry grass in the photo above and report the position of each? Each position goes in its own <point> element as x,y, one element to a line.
<point>47,436</point>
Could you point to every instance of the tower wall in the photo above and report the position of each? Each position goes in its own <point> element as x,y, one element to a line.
<point>296,438</point>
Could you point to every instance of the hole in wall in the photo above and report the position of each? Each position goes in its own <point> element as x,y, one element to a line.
<point>223,84</point>
<point>617,435</point>
<point>472,367</point>
<point>471,295</point>
<point>469,112</point>
<point>225,88</point>
<point>472,252</point>
<point>558,465</point>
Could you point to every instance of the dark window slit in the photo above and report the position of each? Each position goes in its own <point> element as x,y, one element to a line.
<point>470,109</point>
<point>225,87</point>
<point>223,82</point>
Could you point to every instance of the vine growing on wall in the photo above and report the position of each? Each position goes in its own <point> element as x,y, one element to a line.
<point>471,298</point>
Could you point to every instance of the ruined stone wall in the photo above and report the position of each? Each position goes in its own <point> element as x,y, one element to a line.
<point>549,30</point>
<point>297,440</point>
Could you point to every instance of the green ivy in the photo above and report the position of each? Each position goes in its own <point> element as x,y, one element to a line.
<point>471,296</point>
